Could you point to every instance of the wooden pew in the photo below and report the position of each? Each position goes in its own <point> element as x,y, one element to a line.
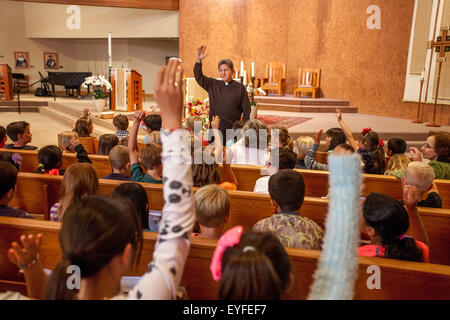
<point>316,182</point>
<point>246,208</point>
<point>399,279</point>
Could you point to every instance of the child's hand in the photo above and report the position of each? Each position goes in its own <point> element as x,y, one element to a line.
<point>74,142</point>
<point>338,114</point>
<point>416,155</point>
<point>169,94</point>
<point>318,136</point>
<point>215,122</point>
<point>139,115</point>
<point>411,195</point>
<point>28,252</point>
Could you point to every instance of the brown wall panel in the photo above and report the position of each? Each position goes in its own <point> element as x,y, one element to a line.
<point>143,4</point>
<point>367,67</point>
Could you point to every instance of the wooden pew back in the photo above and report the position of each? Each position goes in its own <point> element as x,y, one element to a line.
<point>246,208</point>
<point>399,279</point>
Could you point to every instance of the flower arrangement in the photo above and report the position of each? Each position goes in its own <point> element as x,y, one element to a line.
<point>195,107</point>
<point>99,84</point>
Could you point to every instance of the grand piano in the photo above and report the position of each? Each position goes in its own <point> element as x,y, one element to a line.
<point>70,80</point>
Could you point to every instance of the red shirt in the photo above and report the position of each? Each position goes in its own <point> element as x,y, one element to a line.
<point>372,250</point>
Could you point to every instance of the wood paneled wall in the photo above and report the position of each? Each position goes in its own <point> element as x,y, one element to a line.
<point>142,4</point>
<point>367,67</point>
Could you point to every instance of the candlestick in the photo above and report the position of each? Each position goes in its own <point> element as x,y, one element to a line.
<point>245,77</point>
<point>253,69</point>
<point>236,74</point>
<point>109,50</point>
<point>242,69</point>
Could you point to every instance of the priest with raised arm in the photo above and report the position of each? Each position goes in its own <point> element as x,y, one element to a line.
<point>228,98</point>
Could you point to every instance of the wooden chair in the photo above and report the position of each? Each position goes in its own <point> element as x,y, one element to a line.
<point>275,78</point>
<point>308,81</point>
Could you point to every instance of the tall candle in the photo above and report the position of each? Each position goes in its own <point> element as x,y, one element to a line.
<point>245,77</point>
<point>235,74</point>
<point>242,69</point>
<point>253,69</point>
<point>109,50</point>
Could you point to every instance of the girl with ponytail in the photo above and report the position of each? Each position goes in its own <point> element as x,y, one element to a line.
<point>386,221</point>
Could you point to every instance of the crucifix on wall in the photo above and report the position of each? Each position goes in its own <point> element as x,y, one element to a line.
<point>441,46</point>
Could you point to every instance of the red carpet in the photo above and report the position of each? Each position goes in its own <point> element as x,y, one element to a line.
<point>272,121</point>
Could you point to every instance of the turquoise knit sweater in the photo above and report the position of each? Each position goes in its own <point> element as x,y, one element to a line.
<point>336,275</point>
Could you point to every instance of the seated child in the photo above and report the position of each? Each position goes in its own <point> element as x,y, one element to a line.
<point>50,161</point>
<point>333,138</point>
<point>286,160</point>
<point>80,180</point>
<point>14,158</point>
<point>106,143</point>
<point>84,127</point>
<point>284,139</point>
<point>150,156</point>
<point>65,141</point>
<point>19,133</point>
<point>121,123</point>
<point>301,146</point>
<point>212,210</point>
<point>386,221</point>
<point>421,175</point>
<point>396,149</point>
<point>190,125</point>
<point>2,137</point>
<point>153,122</point>
<point>8,178</point>
<point>292,229</point>
<point>136,194</point>
<point>251,266</point>
<point>119,158</point>
<point>237,127</point>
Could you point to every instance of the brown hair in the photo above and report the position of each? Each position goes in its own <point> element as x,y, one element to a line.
<point>119,157</point>
<point>441,145</point>
<point>121,122</point>
<point>284,137</point>
<point>256,128</point>
<point>150,156</point>
<point>94,230</point>
<point>261,272</point>
<point>84,127</point>
<point>376,162</point>
<point>203,173</point>
<point>190,122</point>
<point>106,143</point>
<point>212,205</point>
<point>80,180</point>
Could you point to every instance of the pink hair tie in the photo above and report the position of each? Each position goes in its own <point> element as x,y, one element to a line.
<point>228,239</point>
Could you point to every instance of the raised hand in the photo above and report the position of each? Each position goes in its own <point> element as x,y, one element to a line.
<point>139,115</point>
<point>416,155</point>
<point>318,136</point>
<point>27,254</point>
<point>338,114</point>
<point>201,53</point>
<point>411,195</point>
<point>74,142</point>
<point>215,122</point>
<point>169,94</point>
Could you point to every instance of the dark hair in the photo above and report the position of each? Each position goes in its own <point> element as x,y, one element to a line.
<point>259,274</point>
<point>121,122</point>
<point>397,145</point>
<point>374,160</point>
<point>8,177</point>
<point>9,157</point>
<point>286,158</point>
<point>124,141</point>
<point>137,195</point>
<point>106,143</point>
<point>94,230</point>
<point>2,133</point>
<point>49,157</point>
<point>228,62</point>
<point>15,128</point>
<point>153,122</point>
<point>288,198</point>
<point>337,137</point>
<point>346,146</point>
<point>203,173</point>
<point>83,127</point>
<point>441,145</point>
<point>237,127</point>
<point>390,220</point>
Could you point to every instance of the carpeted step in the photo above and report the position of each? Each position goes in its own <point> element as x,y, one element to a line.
<point>305,108</point>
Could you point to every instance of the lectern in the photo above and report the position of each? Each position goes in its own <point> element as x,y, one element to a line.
<point>126,93</point>
<point>6,83</point>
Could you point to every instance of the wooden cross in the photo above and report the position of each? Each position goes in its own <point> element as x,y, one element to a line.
<point>441,46</point>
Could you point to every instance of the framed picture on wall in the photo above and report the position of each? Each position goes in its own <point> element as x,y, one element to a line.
<point>22,60</point>
<point>51,60</point>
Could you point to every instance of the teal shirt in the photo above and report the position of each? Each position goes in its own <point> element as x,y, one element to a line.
<point>139,176</point>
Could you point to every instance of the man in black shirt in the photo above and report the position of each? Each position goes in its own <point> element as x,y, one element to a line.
<point>228,98</point>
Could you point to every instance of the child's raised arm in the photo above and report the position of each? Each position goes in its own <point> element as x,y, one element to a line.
<point>172,248</point>
<point>347,131</point>
<point>132,141</point>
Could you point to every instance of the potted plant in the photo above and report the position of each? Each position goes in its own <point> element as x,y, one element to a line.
<point>100,90</point>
